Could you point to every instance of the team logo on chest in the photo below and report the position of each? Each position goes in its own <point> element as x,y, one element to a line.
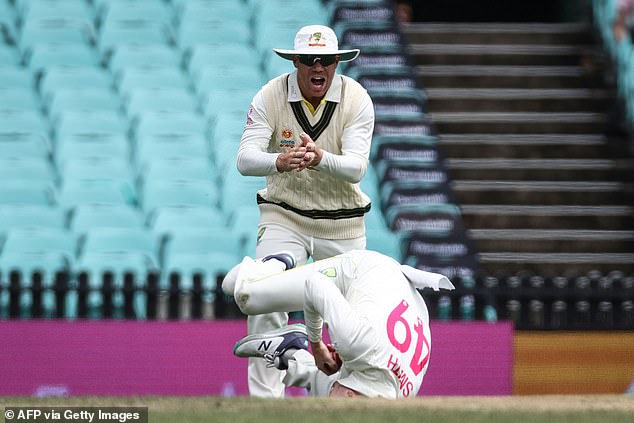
<point>287,138</point>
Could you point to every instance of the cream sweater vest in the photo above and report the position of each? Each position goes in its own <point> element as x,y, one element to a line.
<point>309,201</point>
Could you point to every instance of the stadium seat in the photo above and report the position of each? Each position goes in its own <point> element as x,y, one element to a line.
<point>435,219</point>
<point>19,98</point>
<point>116,32</point>
<point>139,55</point>
<point>150,76</point>
<point>14,76</point>
<point>145,10</point>
<point>170,220</point>
<point>40,239</point>
<point>244,78</point>
<point>243,223</point>
<point>76,9</point>
<point>210,265</point>
<point>72,122</point>
<point>15,216</point>
<point>238,190</point>
<point>97,167</point>
<point>211,252</point>
<point>81,99</point>
<point>92,144</point>
<point>178,193</point>
<point>222,56</point>
<point>226,100</point>
<point>120,240</point>
<point>27,192</point>
<point>87,216</point>
<point>24,145</point>
<point>75,192</point>
<point>23,122</point>
<point>62,30</point>
<point>144,100</point>
<point>64,76</point>
<point>42,56</point>
<point>166,146</point>
<point>182,124</point>
<point>27,169</point>
<point>216,30</point>
<point>174,168</point>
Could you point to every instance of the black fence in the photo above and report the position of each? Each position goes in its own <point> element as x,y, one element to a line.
<point>533,302</point>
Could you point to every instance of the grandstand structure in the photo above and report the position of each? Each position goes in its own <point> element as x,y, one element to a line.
<point>120,122</point>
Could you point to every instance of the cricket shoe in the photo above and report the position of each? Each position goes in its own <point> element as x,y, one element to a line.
<point>250,269</point>
<point>272,345</point>
<point>285,257</point>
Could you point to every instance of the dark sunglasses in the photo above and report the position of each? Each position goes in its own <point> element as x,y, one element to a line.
<point>310,60</point>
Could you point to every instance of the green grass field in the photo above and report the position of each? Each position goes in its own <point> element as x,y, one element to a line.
<point>515,409</point>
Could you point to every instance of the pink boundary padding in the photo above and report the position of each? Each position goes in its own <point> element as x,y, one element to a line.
<point>51,357</point>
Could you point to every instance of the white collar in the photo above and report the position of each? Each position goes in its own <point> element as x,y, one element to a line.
<point>333,94</point>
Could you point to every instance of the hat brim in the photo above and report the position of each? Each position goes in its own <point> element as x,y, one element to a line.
<point>345,55</point>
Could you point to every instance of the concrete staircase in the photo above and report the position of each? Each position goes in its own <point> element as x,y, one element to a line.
<point>522,112</point>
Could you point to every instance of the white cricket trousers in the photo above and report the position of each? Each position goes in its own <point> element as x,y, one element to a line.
<point>265,381</point>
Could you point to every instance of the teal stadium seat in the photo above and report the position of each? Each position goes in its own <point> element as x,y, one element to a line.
<point>24,145</point>
<point>77,9</point>
<point>174,168</point>
<point>42,56</point>
<point>14,76</point>
<point>72,122</point>
<point>64,76</point>
<point>23,122</point>
<point>165,221</point>
<point>213,30</point>
<point>81,99</point>
<point>169,123</point>
<point>187,192</point>
<point>237,190</point>
<point>9,56</point>
<point>62,30</point>
<point>84,217</point>
<point>40,239</point>
<point>27,169</point>
<point>92,144</point>
<point>227,100</point>
<point>211,252</point>
<point>243,78</point>
<point>14,216</point>
<point>19,99</point>
<point>139,55</point>
<point>116,32</point>
<point>75,192</point>
<point>243,223</point>
<point>220,56</point>
<point>150,76</point>
<point>27,192</point>
<point>111,167</point>
<point>139,241</point>
<point>143,100</point>
<point>166,145</point>
<point>7,22</point>
<point>146,10</point>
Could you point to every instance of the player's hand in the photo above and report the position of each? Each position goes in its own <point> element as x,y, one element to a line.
<point>291,159</point>
<point>313,154</point>
<point>324,358</point>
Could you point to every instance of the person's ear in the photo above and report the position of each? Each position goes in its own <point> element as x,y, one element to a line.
<point>295,60</point>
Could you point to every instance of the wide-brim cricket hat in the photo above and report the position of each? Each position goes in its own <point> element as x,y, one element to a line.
<point>316,40</point>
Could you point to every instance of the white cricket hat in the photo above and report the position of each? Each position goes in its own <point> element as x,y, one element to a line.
<point>317,40</point>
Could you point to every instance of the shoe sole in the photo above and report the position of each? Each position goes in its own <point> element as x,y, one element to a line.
<point>297,327</point>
